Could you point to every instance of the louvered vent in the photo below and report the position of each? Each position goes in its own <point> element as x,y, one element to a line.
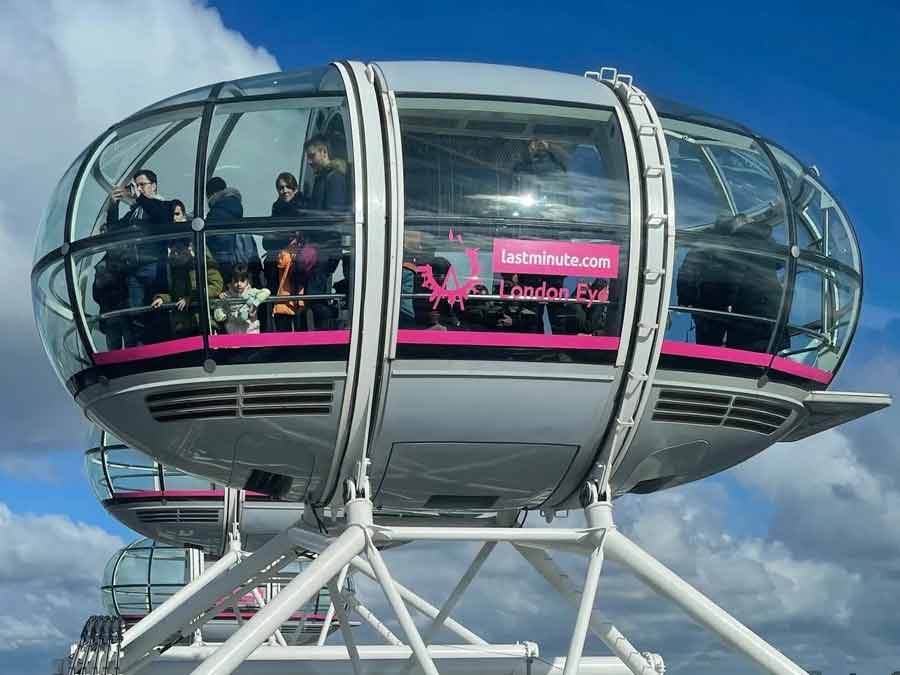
<point>178,515</point>
<point>246,400</point>
<point>740,412</point>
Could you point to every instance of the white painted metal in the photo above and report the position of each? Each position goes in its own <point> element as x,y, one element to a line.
<point>368,271</point>
<point>344,622</point>
<point>393,597</point>
<point>517,659</point>
<point>301,589</point>
<point>607,632</point>
<point>369,617</point>
<point>329,615</point>
<point>700,608</point>
<point>659,253</point>
<point>579,633</point>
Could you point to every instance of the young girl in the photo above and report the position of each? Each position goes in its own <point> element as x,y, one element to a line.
<point>238,305</point>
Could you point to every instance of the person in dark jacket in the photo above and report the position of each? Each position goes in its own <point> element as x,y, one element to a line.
<point>330,190</point>
<point>111,294</point>
<point>144,263</point>
<point>708,279</point>
<point>290,199</point>
<point>759,290</point>
<point>225,206</point>
<point>184,317</point>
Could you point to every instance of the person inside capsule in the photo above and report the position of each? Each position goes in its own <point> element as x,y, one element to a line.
<point>142,264</point>
<point>330,188</point>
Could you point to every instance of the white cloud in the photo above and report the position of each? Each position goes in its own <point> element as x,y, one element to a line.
<point>50,570</point>
<point>70,70</point>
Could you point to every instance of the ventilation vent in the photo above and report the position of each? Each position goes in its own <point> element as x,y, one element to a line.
<point>738,412</point>
<point>248,400</point>
<point>178,515</point>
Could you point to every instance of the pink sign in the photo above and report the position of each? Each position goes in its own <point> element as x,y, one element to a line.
<point>556,258</point>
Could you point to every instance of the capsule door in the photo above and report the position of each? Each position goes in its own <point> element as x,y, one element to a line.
<point>508,291</point>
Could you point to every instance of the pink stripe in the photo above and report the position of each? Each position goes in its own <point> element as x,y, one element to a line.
<point>322,337</point>
<point>166,348</point>
<point>163,494</point>
<point>801,370</point>
<point>487,339</point>
<point>779,363</point>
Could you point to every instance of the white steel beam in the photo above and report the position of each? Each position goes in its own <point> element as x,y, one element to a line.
<point>700,608</point>
<point>393,597</point>
<point>617,643</point>
<point>585,608</point>
<point>300,590</point>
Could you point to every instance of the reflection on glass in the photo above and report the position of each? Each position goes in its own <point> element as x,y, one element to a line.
<point>516,220</point>
<point>52,226</point>
<point>324,80</point>
<point>56,323</point>
<point>718,175</point>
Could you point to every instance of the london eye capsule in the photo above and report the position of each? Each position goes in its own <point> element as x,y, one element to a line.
<point>493,283</point>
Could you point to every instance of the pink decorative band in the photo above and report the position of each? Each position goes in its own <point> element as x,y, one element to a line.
<point>497,339</point>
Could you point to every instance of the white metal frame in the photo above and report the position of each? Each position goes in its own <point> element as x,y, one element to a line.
<point>149,646</point>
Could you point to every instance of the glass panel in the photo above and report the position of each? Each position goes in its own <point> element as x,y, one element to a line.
<point>825,229</point>
<point>134,567</point>
<point>52,227</point>
<point>700,198</point>
<point>516,225</point>
<point>143,293</point>
<point>159,594</point>
<point>191,96</point>
<point>792,169</point>
<point>716,278</point>
<point>106,601</point>
<point>300,285</point>
<point>734,168</point>
<point>56,324</point>
<point>132,601</point>
<point>822,316</point>
<point>178,480</point>
<point>166,147</point>
<point>257,143</point>
<point>315,80</point>
<point>93,465</point>
<point>131,471</point>
<point>169,566</point>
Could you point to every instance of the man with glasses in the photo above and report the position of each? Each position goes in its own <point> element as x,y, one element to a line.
<point>143,263</point>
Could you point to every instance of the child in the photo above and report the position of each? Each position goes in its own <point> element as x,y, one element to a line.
<point>183,318</point>
<point>239,303</point>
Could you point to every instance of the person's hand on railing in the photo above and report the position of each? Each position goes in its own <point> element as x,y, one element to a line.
<point>157,302</point>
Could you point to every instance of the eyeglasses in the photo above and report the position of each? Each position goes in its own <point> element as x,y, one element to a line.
<point>140,185</point>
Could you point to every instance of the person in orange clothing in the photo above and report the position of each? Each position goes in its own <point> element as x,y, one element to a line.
<point>293,265</point>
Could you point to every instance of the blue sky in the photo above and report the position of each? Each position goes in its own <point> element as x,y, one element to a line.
<point>817,78</point>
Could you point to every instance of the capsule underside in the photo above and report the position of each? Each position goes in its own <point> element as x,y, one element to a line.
<point>458,290</point>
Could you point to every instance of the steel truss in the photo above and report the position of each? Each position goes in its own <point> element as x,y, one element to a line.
<point>157,644</point>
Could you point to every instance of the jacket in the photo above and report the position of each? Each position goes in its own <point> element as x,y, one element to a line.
<point>330,190</point>
<point>146,211</point>
<point>238,311</point>
<point>230,249</point>
<point>183,285</point>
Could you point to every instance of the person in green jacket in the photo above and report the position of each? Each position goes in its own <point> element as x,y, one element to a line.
<point>183,318</point>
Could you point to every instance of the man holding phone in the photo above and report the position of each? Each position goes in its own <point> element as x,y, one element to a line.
<point>143,263</point>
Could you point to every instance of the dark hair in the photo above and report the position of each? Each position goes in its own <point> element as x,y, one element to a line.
<point>318,141</point>
<point>240,272</point>
<point>288,179</point>
<point>178,202</point>
<point>151,176</point>
<point>214,185</point>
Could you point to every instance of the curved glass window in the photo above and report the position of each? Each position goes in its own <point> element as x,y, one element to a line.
<point>132,471</point>
<point>52,227</point>
<point>516,230</point>
<point>93,465</point>
<point>325,79</point>
<point>731,248</point>
<point>164,145</point>
<point>56,323</point>
<point>143,293</point>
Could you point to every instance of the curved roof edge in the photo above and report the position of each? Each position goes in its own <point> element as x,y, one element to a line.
<point>485,79</point>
